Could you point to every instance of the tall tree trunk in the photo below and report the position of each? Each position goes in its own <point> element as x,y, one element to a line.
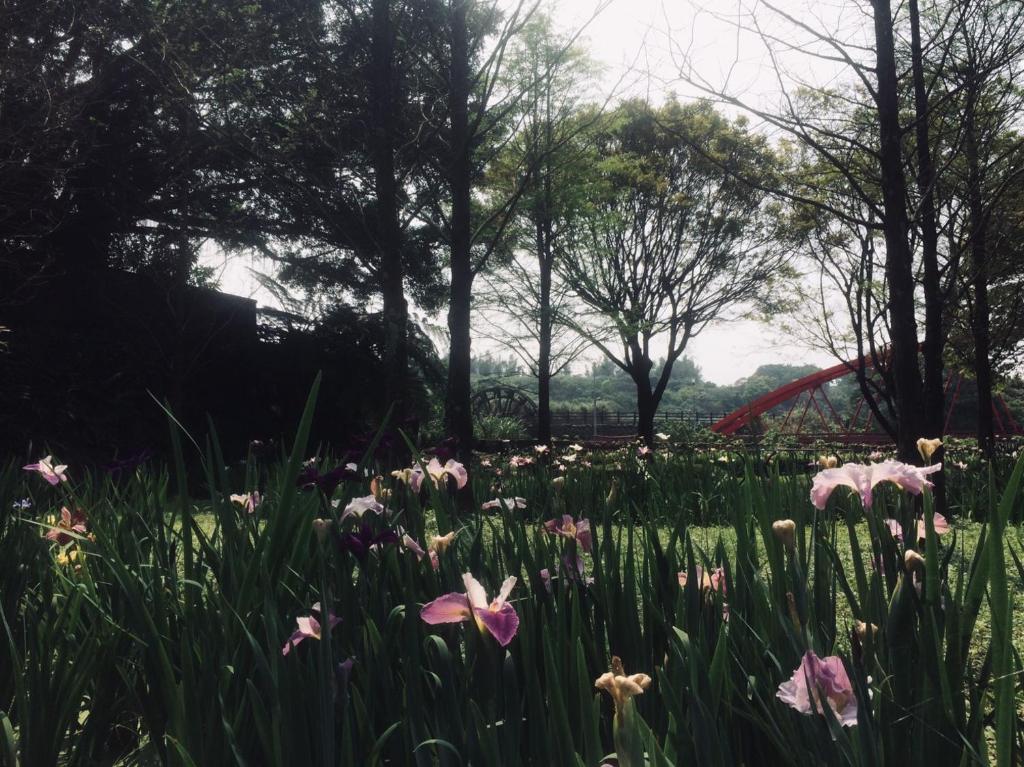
<point>545,258</point>
<point>544,332</point>
<point>898,257</point>
<point>388,227</point>
<point>646,398</point>
<point>646,407</point>
<point>980,319</point>
<point>458,417</point>
<point>934,337</point>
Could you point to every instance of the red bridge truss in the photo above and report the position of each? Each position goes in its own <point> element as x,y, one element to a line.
<point>809,397</point>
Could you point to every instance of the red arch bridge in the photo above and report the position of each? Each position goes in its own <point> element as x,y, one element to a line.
<point>811,414</point>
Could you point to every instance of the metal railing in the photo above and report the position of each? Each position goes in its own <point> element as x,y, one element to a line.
<point>599,422</point>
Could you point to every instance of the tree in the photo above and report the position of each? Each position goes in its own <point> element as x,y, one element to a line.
<point>102,161</point>
<point>333,131</point>
<point>894,85</point>
<point>465,112</point>
<point>674,242</point>
<point>983,86</point>
<point>523,301</point>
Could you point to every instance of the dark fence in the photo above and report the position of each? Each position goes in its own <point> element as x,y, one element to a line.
<point>603,423</point>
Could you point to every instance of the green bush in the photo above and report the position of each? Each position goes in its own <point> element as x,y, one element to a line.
<point>495,427</point>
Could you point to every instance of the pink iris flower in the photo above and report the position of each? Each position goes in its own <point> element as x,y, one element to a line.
<point>713,580</point>
<point>574,569</point>
<point>46,469</point>
<point>452,468</point>
<point>863,478</point>
<point>498,618</point>
<point>416,475</point>
<point>309,628</point>
<point>821,679</point>
<point>69,523</point>
<point>359,506</point>
<point>413,545</point>
<point>938,521</point>
<point>508,503</point>
<point>248,501</point>
<point>578,530</point>
<point>545,577</point>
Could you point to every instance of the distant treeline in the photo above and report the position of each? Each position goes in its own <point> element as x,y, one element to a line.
<point>612,390</point>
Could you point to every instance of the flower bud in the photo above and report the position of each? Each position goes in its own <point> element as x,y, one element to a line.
<point>785,531</point>
<point>863,630</point>
<point>794,613</point>
<point>913,561</point>
<point>321,528</point>
<point>927,447</point>
<point>613,493</point>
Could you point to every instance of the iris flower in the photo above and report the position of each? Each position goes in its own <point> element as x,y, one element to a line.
<point>508,503</point>
<point>69,523</point>
<point>360,542</point>
<point>248,501</point>
<point>359,506</point>
<point>309,628</point>
<point>415,475</point>
<point>413,545</point>
<point>578,530</point>
<point>938,521</point>
<point>863,478</point>
<point>72,557</point>
<point>713,580</point>
<point>621,687</point>
<point>498,618</point>
<point>711,583</point>
<point>452,468</point>
<point>327,482</point>
<point>440,543</point>
<point>46,469</point>
<point>817,681</point>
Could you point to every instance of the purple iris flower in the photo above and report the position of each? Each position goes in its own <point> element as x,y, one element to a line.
<point>360,541</point>
<point>327,482</point>
<point>497,618</point>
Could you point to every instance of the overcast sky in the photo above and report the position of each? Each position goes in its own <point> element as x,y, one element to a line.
<point>642,44</point>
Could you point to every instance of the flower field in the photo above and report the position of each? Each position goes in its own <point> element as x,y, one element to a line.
<point>666,607</point>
